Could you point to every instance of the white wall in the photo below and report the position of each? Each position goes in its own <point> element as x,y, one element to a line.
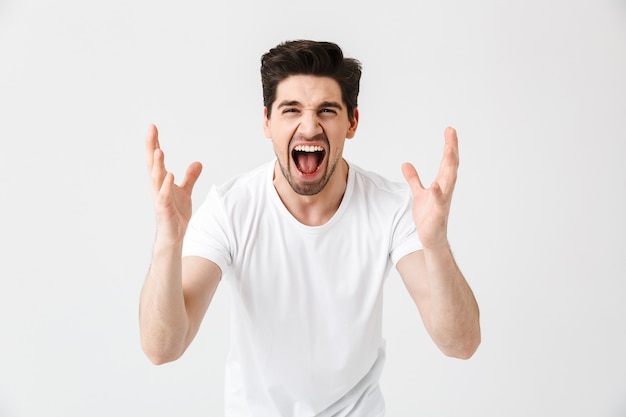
<point>536,90</point>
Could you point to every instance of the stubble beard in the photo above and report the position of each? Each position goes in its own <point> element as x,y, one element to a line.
<point>308,188</point>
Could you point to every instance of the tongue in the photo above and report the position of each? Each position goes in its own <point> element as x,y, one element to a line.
<point>307,162</point>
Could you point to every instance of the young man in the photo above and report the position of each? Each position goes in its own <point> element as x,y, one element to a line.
<point>304,244</point>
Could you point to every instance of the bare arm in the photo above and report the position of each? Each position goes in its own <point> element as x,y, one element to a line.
<point>176,292</point>
<point>445,301</point>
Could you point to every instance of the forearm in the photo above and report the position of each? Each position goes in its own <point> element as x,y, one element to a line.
<point>163,317</point>
<point>454,313</point>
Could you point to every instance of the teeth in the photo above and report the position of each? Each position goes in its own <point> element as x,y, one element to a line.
<point>307,148</point>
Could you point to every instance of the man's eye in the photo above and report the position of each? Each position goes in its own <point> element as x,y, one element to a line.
<point>328,111</point>
<point>290,110</point>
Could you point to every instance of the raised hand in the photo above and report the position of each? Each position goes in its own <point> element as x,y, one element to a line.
<point>172,202</point>
<point>431,206</point>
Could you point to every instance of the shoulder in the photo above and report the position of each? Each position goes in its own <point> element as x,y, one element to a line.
<point>375,185</point>
<point>246,185</point>
<point>237,194</point>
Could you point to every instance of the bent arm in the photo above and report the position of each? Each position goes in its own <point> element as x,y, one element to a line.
<point>444,299</point>
<point>176,292</point>
<point>174,299</point>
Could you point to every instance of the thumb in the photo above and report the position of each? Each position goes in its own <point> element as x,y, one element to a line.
<point>191,176</point>
<point>411,176</point>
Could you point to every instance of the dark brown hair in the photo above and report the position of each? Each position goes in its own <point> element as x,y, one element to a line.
<point>324,59</point>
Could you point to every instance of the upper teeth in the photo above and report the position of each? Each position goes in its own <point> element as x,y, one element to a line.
<point>307,148</point>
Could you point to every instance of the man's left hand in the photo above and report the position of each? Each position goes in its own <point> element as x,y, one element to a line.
<point>431,206</point>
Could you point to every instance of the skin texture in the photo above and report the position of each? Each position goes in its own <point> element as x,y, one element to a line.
<point>176,292</point>
<point>307,110</point>
<point>443,297</point>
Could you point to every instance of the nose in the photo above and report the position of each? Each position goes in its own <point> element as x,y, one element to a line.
<point>309,124</point>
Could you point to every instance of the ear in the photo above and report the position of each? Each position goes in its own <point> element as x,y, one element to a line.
<point>353,125</point>
<point>266,124</point>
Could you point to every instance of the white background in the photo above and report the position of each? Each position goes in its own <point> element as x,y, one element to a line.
<point>536,90</point>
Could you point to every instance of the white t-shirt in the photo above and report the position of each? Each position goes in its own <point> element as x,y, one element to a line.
<point>306,330</point>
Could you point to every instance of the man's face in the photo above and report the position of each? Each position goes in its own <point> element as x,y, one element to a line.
<point>308,127</point>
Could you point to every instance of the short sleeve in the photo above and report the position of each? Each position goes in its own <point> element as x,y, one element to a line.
<point>207,235</point>
<point>404,239</point>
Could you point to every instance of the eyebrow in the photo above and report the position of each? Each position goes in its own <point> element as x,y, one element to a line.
<point>332,104</point>
<point>289,103</point>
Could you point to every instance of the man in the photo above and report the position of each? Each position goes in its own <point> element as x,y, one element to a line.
<point>305,244</point>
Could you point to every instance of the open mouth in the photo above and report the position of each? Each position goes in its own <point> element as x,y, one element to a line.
<point>308,158</point>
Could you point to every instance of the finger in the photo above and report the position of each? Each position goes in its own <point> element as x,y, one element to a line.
<point>152,143</point>
<point>452,145</point>
<point>437,193</point>
<point>447,175</point>
<point>158,170</point>
<point>191,176</point>
<point>167,185</point>
<point>411,176</point>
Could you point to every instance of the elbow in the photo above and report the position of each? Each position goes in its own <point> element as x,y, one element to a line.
<point>160,359</point>
<point>465,353</point>
<point>465,348</point>
<point>159,354</point>
<point>462,346</point>
<point>160,345</point>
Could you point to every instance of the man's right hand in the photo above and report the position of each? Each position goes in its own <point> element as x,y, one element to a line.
<point>172,202</point>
